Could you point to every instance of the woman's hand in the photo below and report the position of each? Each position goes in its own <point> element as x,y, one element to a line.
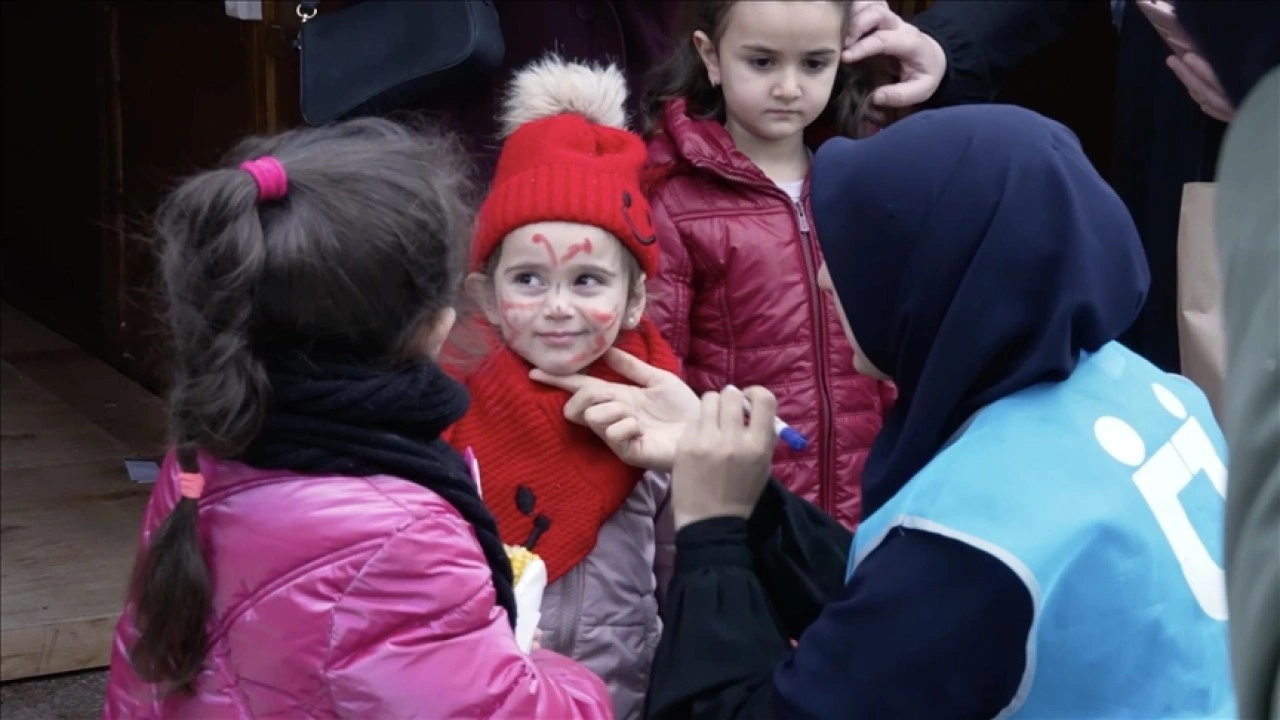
<point>1202,83</point>
<point>722,461</point>
<point>875,30</point>
<point>641,423</point>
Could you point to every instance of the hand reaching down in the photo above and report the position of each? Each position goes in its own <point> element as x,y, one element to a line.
<point>877,31</point>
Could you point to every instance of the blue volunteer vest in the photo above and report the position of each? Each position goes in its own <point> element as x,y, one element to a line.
<point>1104,493</point>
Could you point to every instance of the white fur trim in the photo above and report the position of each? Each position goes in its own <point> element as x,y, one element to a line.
<point>551,86</point>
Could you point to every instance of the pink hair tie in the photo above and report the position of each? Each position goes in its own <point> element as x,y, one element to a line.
<point>268,173</point>
<point>191,485</point>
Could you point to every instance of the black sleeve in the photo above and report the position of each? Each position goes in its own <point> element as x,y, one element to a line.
<point>927,627</point>
<point>985,39</point>
<point>799,555</point>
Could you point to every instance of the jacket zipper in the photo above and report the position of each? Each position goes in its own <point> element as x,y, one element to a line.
<point>826,484</point>
<point>826,489</point>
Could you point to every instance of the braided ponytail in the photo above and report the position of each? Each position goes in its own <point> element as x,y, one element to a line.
<point>212,253</point>
<point>362,243</point>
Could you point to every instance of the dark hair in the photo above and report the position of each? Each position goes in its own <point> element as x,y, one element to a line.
<point>366,246</point>
<point>683,75</point>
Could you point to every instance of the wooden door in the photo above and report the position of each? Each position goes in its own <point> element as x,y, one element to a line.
<point>184,89</point>
<point>192,82</point>
<point>139,95</point>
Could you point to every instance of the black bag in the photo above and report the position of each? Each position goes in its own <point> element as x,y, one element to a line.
<point>377,56</point>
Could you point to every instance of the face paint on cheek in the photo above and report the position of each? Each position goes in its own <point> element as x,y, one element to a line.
<point>598,345</point>
<point>603,318</point>
<point>582,247</point>
<point>517,317</point>
<point>606,322</point>
<point>540,239</point>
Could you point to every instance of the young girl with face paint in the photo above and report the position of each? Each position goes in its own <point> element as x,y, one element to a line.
<point>562,246</point>
<point>738,294</point>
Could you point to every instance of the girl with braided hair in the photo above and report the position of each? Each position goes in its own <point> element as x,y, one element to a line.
<point>312,547</point>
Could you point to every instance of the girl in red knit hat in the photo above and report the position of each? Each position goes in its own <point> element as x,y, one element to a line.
<point>563,244</point>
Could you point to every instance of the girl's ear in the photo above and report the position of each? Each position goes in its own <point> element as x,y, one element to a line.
<point>710,58</point>
<point>479,287</point>
<point>636,300</point>
<point>433,334</point>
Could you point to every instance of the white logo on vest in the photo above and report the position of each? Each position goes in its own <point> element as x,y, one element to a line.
<point>1161,477</point>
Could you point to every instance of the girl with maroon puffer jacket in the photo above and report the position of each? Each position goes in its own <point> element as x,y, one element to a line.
<point>737,294</point>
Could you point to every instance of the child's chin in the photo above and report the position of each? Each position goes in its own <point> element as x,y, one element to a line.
<point>562,366</point>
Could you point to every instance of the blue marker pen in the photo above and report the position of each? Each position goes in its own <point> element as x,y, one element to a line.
<point>786,433</point>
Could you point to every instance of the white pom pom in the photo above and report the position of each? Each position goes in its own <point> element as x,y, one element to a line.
<point>551,86</point>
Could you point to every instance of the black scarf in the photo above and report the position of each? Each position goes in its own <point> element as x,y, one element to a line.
<point>331,415</point>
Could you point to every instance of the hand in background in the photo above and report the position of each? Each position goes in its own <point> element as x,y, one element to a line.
<point>1202,83</point>
<point>641,423</point>
<point>875,30</point>
<point>722,461</point>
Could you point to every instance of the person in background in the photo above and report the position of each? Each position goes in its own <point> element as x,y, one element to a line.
<point>737,294</point>
<point>632,34</point>
<point>1168,115</point>
<point>1241,41</point>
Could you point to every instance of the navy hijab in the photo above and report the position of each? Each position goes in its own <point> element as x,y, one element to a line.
<point>976,252</point>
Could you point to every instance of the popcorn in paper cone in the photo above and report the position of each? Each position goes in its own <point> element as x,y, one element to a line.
<point>530,581</point>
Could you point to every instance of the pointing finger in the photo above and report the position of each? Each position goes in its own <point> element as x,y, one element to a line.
<point>632,368</point>
<point>593,394</point>
<point>572,383</point>
<point>605,414</point>
<point>623,431</point>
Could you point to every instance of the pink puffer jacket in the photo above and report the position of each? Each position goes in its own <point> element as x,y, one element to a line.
<point>346,597</point>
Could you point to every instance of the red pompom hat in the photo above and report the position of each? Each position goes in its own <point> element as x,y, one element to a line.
<point>567,157</point>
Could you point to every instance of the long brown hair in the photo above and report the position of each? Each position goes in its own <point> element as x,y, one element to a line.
<point>366,246</point>
<point>683,75</point>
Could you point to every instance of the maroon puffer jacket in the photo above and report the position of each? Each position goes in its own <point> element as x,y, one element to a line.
<point>738,299</point>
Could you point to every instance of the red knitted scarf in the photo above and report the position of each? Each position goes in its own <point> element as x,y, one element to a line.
<point>550,483</point>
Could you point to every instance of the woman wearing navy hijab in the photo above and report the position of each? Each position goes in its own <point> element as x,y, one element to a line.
<point>1043,506</point>
<point>983,265</point>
